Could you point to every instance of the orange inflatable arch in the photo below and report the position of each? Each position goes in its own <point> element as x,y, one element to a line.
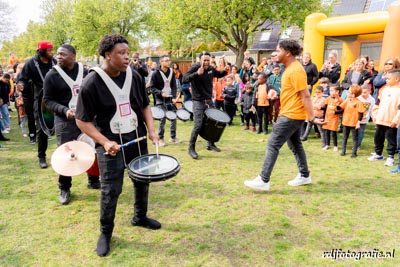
<point>380,26</point>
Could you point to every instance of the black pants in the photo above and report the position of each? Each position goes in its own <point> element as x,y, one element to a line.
<point>198,112</point>
<point>42,138</point>
<point>328,137</point>
<point>354,135</point>
<point>390,134</point>
<point>262,113</point>
<point>250,117</point>
<point>230,109</point>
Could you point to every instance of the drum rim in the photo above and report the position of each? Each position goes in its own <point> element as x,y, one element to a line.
<point>218,111</point>
<point>153,177</point>
<point>42,122</point>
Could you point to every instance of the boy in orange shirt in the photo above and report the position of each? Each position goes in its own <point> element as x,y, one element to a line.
<point>332,117</point>
<point>353,112</point>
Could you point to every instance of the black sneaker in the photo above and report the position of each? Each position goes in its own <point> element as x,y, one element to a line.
<point>42,163</point>
<point>213,148</point>
<point>32,139</point>
<point>93,185</point>
<point>146,223</point>
<point>65,196</point>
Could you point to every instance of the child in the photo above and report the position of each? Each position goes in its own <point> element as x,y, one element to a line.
<point>324,82</point>
<point>353,112</point>
<point>229,94</point>
<point>248,108</point>
<point>331,117</point>
<point>368,102</point>
<point>19,101</point>
<point>396,123</point>
<point>319,103</point>
<point>384,114</point>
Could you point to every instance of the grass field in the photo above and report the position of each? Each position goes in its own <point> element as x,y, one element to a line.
<point>209,218</point>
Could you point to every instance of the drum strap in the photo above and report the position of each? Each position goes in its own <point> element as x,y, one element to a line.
<point>38,68</point>
<point>73,85</point>
<point>167,81</point>
<point>125,118</point>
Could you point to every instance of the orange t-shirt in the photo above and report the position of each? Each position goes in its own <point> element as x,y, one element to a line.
<point>318,102</point>
<point>262,96</point>
<point>332,119</point>
<point>351,110</point>
<point>294,80</point>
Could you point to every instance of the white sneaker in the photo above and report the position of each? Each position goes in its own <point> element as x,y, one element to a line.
<point>300,180</point>
<point>257,183</point>
<point>5,131</point>
<point>389,162</point>
<point>161,142</point>
<point>175,140</point>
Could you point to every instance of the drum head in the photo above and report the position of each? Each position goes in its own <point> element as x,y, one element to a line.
<point>188,105</point>
<point>46,117</point>
<point>153,168</point>
<point>157,113</point>
<point>171,115</point>
<point>183,114</point>
<point>217,115</point>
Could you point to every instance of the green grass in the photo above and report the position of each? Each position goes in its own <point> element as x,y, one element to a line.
<point>209,217</point>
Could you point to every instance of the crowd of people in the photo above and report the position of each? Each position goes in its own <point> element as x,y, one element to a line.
<point>285,95</point>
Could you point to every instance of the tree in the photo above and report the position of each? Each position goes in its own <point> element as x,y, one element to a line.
<point>58,25</point>
<point>7,27</point>
<point>92,19</point>
<point>233,22</point>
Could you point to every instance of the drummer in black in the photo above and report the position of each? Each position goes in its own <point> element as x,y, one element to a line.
<point>114,99</point>
<point>34,70</point>
<point>60,93</point>
<point>163,87</point>
<point>200,76</point>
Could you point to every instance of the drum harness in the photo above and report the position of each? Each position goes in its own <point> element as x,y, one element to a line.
<point>123,95</point>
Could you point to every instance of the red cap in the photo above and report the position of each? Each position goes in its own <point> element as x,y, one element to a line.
<point>44,45</point>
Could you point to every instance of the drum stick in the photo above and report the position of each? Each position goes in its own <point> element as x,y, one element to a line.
<point>157,149</point>
<point>129,143</point>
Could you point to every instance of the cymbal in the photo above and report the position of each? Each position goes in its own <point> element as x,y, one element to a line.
<point>72,158</point>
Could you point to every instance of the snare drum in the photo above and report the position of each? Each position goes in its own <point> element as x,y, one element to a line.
<point>157,112</point>
<point>183,114</point>
<point>153,168</point>
<point>214,123</point>
<point>171,115</point>
<point>188,105</point>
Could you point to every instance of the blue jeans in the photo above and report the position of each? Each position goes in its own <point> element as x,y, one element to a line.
<point>361,132</point>
<point>285,130</point>
<point>5,114</point>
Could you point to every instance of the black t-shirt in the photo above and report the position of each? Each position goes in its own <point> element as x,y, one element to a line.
<point>96,103</point>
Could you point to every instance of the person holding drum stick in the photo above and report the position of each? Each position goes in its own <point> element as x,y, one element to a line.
<point>113,109</point>
<point>163,87</point>
<point>200,76</point>
<point>296,106</point>
<point>60,93</point>
<point>34,70</point>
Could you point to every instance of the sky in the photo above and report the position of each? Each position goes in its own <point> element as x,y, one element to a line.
<point>25,10</point>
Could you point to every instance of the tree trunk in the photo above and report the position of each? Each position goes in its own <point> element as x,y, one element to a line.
<point>240,54</point>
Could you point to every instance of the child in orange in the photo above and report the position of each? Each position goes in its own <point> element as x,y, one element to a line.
<point>331,117</point>
<point>19,101</point>
<point>353,112</point>
<point>319,103</point>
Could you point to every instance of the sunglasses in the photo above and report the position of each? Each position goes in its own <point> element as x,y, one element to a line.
<point>388,63</point>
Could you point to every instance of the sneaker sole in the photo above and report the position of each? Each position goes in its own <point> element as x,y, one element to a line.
<point>266,188</point>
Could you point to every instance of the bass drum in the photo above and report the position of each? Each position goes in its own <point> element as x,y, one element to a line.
<point>153,168</point>
<point>214,123</point>
<point>46,116</point>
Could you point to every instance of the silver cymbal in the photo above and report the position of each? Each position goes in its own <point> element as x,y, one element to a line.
<point>72,158</point>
